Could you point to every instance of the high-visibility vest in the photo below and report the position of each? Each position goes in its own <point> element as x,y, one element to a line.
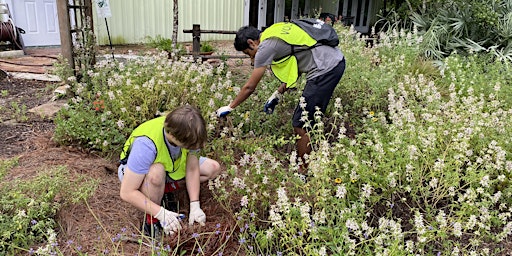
<point>286,69</point>
<point>154,130</point>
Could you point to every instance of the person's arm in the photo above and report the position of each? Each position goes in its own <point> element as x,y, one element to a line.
<point>130,192</point>
<point>249,87</point>
<point>282,88</point>
<point>192,177</point>
<point>193,187</point>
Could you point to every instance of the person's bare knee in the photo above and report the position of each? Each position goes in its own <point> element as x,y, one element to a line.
<point>154,183</point>
<point>156,175</point>
<point>209,170</point>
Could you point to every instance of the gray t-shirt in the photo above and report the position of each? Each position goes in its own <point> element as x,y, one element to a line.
<point>314,62</point>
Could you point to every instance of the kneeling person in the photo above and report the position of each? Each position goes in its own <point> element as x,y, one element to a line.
<point>163,150</point>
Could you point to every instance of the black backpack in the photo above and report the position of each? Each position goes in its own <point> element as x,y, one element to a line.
<point>322,32</point>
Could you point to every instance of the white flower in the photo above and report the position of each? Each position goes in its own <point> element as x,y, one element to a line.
<point>433,182</point>
<point>351,224</point>
<point>485,181</point>
<point>341,191</point>
<point>238,183</point>
<point>322,251</point>
<point>120,124</point>
<point>457,229</point>
<point>22,213</point>
<point>270,233</point>
<point>367,191</point>
<point>455,251</point>
<point>441,219</point>
<point>320,217</point>
<point>244,201</point>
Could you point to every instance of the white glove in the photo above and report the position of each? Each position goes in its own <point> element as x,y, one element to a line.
<point>224,111</point>
<point>196,214</point>
<point>168,220</point>
<point>272,102</point>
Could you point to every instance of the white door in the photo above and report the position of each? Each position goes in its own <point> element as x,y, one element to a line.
<point>39,20</point>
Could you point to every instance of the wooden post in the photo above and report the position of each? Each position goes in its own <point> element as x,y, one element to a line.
<point>295,10</point>
<point>307,11</point>
<point>196,40</point>
<point>88,12</point>
<point>66,44</point>
<point>88,18</point>
<point>279,11</point>
<point>262,14</point>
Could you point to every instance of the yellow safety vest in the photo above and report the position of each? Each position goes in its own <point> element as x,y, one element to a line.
<point>154,130</point>
<point>286,69</point>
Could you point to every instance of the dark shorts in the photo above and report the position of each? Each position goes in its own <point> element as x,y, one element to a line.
<point>317,93</point>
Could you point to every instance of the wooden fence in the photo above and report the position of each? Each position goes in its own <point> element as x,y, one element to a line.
<point>196,42</point>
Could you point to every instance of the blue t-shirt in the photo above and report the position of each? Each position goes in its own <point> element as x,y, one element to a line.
<point>143,154</point>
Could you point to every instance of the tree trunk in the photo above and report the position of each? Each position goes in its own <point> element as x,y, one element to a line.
<point>175,24</point>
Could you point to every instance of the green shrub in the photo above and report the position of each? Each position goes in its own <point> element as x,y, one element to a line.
<point>426,172</point>
<point>207,47</point>
<point>28,207</point>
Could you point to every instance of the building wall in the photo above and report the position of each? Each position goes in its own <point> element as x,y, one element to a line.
<point>329,6</point>
<point>133,20</point>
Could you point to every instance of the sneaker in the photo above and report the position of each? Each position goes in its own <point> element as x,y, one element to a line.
<point>169,202</point>
<point>152,230</point>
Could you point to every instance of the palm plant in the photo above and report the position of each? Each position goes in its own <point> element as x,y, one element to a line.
<point>467,26</point>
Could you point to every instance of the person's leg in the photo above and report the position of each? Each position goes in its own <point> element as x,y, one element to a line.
<point>153,187</point>
<point>317,93</point>
<point>154,183</point>
<point>303,147</point>
<point>208,169</point>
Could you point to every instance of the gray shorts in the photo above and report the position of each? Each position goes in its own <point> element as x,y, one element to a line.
<point>120,170</point>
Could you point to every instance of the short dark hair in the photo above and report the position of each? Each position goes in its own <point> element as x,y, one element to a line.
<point>187,125</point>
<point>245,33</point>
<point>324,15</point>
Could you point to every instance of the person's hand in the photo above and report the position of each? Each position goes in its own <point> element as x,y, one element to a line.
<point>168,220</point>
<point>196,214</point>
<point>224,111</point>
<point>272,102</point>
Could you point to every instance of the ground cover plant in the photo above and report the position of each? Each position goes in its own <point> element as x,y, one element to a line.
<point>28,209</point>
<point>412,157</point>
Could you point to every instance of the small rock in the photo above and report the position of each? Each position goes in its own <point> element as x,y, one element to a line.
<point>60,92</point>
<point>48,109</point>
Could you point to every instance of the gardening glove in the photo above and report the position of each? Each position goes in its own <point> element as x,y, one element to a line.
<point>272,102</point>
<point>168,220</point>
<point>196,214</point>
<point>224,111</point>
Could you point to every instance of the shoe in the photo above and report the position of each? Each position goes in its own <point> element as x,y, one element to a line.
<point>153,230</point>
<point>169,202</point>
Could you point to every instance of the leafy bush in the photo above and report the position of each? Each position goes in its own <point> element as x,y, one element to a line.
<point>426,172</point>
<point>207,47</point>
<point>28,207</point>
<point>165,44</point>
<point>121,96</point>
<point>466,27</point>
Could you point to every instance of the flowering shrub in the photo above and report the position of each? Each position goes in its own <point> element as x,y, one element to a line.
<point>118,96</point>
<point>426,172</point>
